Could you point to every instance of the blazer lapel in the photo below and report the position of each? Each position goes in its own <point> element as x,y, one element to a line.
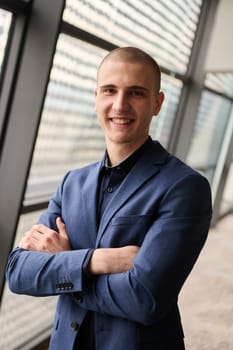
<point>147,166</point>
<point>90,199</point>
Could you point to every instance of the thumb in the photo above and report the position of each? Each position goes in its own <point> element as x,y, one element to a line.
<point>61,226</point>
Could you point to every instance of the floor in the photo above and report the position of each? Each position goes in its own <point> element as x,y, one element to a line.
<point>206,301</point>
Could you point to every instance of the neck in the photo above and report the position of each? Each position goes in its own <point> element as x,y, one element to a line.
<point>119,152</point>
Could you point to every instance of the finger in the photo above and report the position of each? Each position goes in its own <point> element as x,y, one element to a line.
<point>26,243</point>
<point>61,226</point>
<point>22,242</point>
<point>34,235</point>
<point>42,229</point>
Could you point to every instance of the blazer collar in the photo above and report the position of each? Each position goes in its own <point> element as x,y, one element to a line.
<point>148,165</point>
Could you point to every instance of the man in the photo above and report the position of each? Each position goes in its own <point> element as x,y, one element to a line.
<point>120,236</point>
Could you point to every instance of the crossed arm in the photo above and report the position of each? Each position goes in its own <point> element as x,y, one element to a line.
<point>103,260</point>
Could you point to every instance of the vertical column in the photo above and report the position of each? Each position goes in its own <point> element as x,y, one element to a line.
<point>187,111</point>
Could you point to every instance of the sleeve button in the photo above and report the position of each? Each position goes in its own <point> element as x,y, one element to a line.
<point>70,285</point>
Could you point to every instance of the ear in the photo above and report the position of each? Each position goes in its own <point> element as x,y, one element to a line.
<point>95,94</point>
<point>159,101</point>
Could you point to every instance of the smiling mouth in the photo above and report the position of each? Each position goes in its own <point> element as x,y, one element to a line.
<point>120,121</point>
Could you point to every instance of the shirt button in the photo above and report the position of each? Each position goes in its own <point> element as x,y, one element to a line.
<point>109,189</point>
<point>78,297</point>
<point>74,326</point>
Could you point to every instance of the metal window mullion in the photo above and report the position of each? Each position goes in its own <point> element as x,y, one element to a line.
<point>78,33</point>
<point>220,94</point>
<point>10,69</point>
<point>24,117</point>
<point>191,93</point>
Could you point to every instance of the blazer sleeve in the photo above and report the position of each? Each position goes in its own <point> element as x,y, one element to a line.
<point>42,274</point>
<point>166,257</point>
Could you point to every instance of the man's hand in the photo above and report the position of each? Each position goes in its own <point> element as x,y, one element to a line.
<point>43,239</point>
<point>112,260</point>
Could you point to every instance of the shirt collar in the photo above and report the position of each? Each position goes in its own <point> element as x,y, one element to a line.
<point>127,163</point>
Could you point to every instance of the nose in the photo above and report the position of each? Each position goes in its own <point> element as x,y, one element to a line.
<point>121,102</point>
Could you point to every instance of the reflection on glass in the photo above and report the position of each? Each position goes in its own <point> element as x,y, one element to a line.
<point>5,21</point>
<point>22,317</point>
<point>165,29</point>
<point>208,133</point>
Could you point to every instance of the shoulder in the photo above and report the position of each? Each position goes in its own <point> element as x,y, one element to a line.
<point>183,173</point>
<point>174,171</point>
<point>77,177</point>
<point>171,161</point>
<point>84,170</point>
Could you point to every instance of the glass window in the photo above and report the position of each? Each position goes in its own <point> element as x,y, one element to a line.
<point>208,134</point>
<point>165,29</point>
<point>5,21</point>
<point>69,134</point>
<point>227,199</point>
<point>22,317</point>
<point>161,126</point>
<point>220,82</point>
<point>226,204</point>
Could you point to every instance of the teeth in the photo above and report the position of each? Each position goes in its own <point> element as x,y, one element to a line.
<point>121,121</point>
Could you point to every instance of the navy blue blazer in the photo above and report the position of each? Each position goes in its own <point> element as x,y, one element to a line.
<point>163,206</point>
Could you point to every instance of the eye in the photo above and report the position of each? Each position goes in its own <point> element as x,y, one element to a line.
<point>108,90</point>
<point>137,93</point>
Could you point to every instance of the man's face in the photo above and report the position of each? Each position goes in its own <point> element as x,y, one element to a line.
<point>126,100</point>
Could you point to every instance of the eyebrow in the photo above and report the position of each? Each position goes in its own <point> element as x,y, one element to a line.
<point>132,87</point>
<point>107,86</point>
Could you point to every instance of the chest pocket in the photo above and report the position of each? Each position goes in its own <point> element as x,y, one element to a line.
<point>127,230</point>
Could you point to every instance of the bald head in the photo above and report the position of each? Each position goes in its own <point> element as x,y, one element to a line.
<point>133,55</point>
